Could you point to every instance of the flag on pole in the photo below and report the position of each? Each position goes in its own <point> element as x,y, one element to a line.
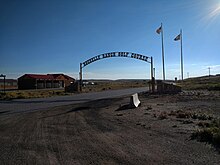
<point>159,30</point>
<point>177,38</point>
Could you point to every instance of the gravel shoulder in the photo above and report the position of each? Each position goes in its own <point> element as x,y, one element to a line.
<point>107,131</point>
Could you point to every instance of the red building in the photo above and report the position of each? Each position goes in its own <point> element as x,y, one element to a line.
<point>37,81</point>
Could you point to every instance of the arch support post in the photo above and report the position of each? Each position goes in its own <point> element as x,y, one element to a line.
<point>80,78</point>
<point>152,77</point>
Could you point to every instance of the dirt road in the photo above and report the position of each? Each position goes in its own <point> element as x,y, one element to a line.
<point>106,131</point>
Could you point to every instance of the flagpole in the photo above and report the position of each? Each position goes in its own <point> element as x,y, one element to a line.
<point>181,42</point>
<point>162,51</point>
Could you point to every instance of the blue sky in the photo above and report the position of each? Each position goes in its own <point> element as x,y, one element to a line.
<point>54,36</point>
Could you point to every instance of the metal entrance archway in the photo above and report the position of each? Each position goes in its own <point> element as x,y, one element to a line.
<point>117,54</point>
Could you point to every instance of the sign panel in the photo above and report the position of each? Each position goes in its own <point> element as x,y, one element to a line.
<point>117,54</point>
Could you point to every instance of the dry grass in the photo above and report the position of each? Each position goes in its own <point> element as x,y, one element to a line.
<point>25,94</point>
<point>181,114</point>
<point>163,115</point>
<point>201,83</point>
<point>209,133</point>
<point>188,114</point>
<point>117,84</point>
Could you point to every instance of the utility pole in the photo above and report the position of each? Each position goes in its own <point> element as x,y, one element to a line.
<point>4,80</point>
<point>209,70</point>
<point>80,78</point>
<point>154,74</point>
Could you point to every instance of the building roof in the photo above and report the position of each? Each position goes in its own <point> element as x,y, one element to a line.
<point>61,74</point>
<point>45,76</point>
<point>39,76</point>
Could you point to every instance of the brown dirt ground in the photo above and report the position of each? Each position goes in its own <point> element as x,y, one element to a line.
<point>108,132</point>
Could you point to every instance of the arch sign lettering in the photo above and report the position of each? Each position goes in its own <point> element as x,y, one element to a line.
<point>116,54</point>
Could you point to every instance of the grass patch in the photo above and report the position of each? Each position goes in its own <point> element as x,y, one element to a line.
<point>211,83</point>
<point>187,114</point>
<point>180,114</point>
<point>163,115</point>
<point>103,85</point>
<point>25,94</point>
<point>202,116</point>
<point>210,133</point>
<point>215,87</point>
<point>203,124</point>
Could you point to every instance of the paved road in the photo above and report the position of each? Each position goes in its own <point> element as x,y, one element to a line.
<point>26,105</point>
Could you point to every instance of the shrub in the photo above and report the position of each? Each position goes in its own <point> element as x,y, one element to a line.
<point>180,114</point>
<point>20,97</point>
<point>210,134</point>
<point>148,108</point>
<point>203,124</point>
<point>202,116</point>
<point>163,115</point>
<point>214,88</point>
<point>183,115</point>
<point>205,135</point>
<point>58,93</point>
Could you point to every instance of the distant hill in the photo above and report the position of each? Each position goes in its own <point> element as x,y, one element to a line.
<point>119,80</point>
